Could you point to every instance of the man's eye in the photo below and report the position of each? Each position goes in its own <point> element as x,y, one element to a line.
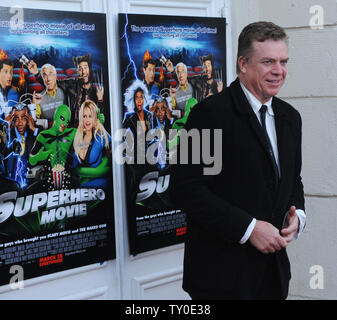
<point>62,118</point>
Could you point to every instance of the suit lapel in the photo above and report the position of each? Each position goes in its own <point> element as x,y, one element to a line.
<point>244,108</point>
<point>280,123</point>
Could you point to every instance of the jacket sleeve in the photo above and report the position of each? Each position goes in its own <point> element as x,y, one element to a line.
<point>297,196</point>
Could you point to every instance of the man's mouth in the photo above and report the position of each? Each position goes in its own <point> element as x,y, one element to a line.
<point>274,81</point>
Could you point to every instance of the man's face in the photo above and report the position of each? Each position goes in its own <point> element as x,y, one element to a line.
<point>265,71</point>
<point>20,120</point>
<point>6,76</point>
<point>208,69</point>
<point>49,77</point>
<point>182,75</point>
<point>84,71</point>
<point>161,110</point>
<point>149,73</point>
<point>139,100</point>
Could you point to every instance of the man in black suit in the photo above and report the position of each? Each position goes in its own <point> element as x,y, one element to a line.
<point>241,220</point>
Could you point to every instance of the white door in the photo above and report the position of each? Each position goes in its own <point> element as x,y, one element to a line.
<point>152,275</point>
<point>158,274</point>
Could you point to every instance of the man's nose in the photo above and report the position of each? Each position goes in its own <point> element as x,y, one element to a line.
<point>277,68</point>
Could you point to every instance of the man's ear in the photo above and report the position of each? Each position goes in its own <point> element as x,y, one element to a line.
<point>242,62</point>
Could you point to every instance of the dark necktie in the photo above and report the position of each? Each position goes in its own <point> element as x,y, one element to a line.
<point>263,110</point>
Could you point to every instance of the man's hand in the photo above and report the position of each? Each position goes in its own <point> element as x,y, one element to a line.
<point>10,118</point>
<point>37,98</point>
<point>291,225</point>
<point>31,122</point>
<point>173,92</point>
<point>266,238</point>
<point>219,86</point>
<point>100,92</point>
<point>32,67</point>
<point>169,66</point>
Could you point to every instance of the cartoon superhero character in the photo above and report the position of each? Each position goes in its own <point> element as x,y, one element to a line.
<point>53,146</point>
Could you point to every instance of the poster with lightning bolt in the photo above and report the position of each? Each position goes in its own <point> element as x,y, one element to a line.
<point>168,64</point>
<point>56,203</point>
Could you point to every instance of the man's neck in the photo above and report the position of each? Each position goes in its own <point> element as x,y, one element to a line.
<point>86,85</point>
<point>184,86</point>
<point>247,87</point>
<point>252,100</point>
<point>210,80</point>
<point>52,92</point>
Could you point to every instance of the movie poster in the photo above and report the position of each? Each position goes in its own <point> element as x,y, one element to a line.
<point>168,64</point>
<point>56,203</point>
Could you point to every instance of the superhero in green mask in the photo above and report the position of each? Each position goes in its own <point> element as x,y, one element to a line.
<point>53,145</point>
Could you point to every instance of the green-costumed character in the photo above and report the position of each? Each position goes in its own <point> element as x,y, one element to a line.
<point>53,145</point>
<point>180,123</point>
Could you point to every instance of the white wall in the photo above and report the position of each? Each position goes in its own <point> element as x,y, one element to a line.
<point>311,87</point>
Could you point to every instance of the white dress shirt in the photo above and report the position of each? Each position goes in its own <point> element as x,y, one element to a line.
<point>271,130</point>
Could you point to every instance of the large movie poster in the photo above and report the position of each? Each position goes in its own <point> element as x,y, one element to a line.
<point>56,203</point>
<point>168,64</point>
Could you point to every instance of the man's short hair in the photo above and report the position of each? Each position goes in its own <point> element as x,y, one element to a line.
<point>8,62</point>
<point>257,31</point>
<point>181,64</point>
<point>147,62</point>
<point>48,65</point>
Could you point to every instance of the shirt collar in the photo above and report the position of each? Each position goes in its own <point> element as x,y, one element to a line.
<point>255,103</point>
<point>52,93</point>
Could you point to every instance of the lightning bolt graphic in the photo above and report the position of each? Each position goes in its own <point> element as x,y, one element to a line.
<point>20,173</point>
<point>131,63</point>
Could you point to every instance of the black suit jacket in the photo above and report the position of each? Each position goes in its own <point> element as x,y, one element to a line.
<point>220,208</point>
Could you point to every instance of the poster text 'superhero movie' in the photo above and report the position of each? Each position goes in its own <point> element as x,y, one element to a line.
<point>168,64</point>
<point>56,204</point>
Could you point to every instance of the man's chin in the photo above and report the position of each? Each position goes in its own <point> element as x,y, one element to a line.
<point>273,92</point>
